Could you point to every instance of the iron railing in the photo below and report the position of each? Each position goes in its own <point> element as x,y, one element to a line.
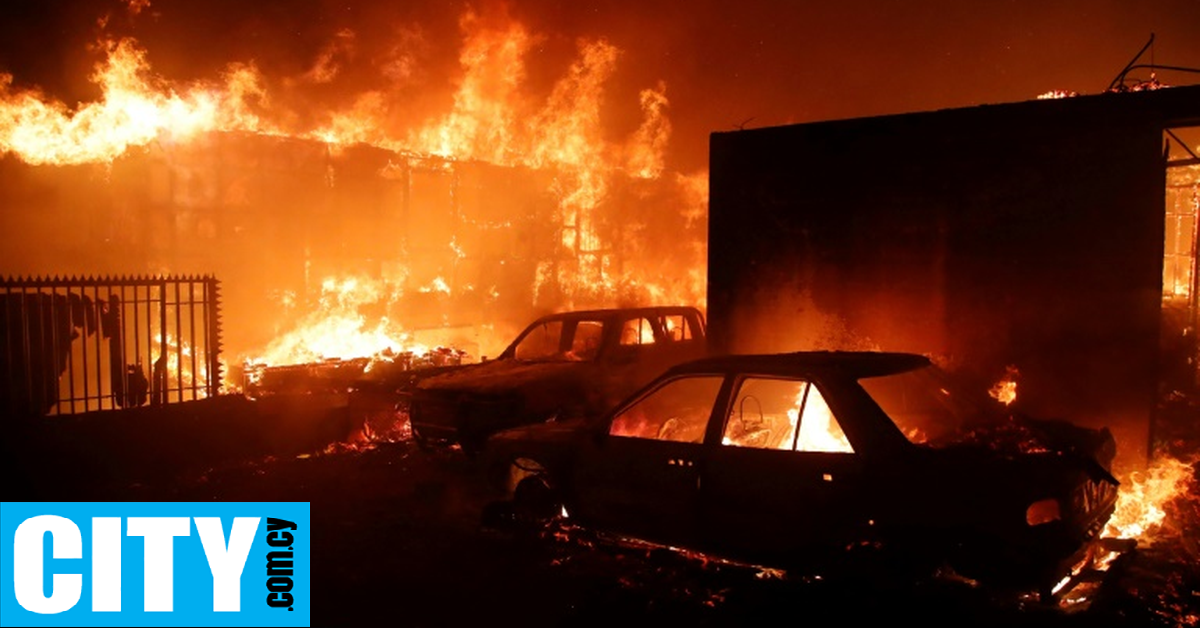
<point>70,345</point>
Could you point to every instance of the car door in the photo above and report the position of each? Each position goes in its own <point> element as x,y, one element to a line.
<point>640,475</point>
<point>783,481</point>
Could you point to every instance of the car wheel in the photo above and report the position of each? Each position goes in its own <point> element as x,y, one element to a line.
<point>536,500</point>
<point>471,445</point>
<point>534,497</point>
<point>999,565</point>
<point>421,442</point>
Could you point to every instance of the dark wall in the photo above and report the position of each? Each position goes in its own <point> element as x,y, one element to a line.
<point>1028,234</point>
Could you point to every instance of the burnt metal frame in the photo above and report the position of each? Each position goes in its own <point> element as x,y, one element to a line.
<point>1193,301</point>
<point>123,319</point>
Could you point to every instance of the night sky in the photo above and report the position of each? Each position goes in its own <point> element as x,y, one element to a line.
<point>725,64</point>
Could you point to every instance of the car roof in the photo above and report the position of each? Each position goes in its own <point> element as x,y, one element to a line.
<point>620,311</point>
<point>852,363</point>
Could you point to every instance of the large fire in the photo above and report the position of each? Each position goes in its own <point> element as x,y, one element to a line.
<point>494,118</point>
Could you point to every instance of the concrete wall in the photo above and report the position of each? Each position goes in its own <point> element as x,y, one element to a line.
<point>1028,234</point>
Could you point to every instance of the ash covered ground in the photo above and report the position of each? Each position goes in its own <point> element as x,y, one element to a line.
<point>397,538</point>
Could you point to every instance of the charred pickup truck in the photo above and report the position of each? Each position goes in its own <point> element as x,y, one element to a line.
<point>794,460</point>
<point>568,365</point>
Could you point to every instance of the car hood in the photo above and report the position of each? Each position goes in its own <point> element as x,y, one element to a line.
<point>1020,437</point>
<point>553,431</point>
<point>505,374</point>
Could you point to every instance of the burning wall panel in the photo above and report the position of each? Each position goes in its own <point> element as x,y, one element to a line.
<point>1027,234</point>
<point>454,246</point>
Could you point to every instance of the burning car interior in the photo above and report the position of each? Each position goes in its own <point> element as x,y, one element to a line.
<point>504,292</point>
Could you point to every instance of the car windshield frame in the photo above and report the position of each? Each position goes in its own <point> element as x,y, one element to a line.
<point>929,407</point>
<point>564,350</point>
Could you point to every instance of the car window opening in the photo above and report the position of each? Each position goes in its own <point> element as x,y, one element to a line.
<point>794,417</point>
<point>676,411</point>
<point>927,408</point>
<point>677,327</point>
<point>561,341</point>
<point>637,331</point>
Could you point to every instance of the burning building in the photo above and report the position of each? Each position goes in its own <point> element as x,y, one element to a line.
<point>346,237</point>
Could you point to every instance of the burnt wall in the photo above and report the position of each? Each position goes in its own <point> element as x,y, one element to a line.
<point>1028,234</point>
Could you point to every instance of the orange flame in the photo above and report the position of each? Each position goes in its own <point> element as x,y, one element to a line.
<point>1142,499</point>
<point>1005,390</point>
<point>485,114</point>
<point>178,367</point>
<point>336,328</point>
<point>135,110</point>
<point>818,431</point>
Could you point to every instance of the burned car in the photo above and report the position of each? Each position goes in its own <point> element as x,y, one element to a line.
<point>562,366</point>
<point>794,460</point>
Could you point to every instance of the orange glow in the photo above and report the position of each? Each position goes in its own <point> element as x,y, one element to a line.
<point>634,425</point>
<point>1143,498</point>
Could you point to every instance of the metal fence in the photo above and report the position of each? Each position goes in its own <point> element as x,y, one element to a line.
<point>70,345</point>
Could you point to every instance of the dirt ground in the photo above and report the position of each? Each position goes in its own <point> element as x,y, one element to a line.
<point>397,538</point>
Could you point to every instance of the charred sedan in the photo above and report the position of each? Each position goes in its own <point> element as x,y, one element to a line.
<point>562,366</point>
<point>802,460</point>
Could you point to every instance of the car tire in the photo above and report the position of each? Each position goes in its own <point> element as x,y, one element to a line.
<point>421,442</point>
<point>536,501</point>
<point>471,446</point>
<point>1000,566</point>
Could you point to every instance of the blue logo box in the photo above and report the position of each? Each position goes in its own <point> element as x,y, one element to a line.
<point>154,564</point>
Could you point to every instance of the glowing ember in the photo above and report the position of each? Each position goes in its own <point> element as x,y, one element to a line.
<point>1005,390</point>
<point>1143,497</point>
<point>1057,93</point>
